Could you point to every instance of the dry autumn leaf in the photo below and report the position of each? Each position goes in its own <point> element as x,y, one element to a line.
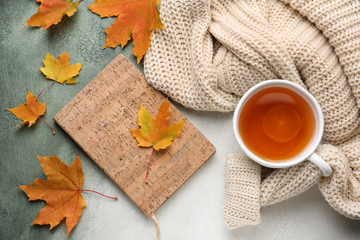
<point>31,111</point>
<point>51,12</point>
<point>61,192</point>
<point>156,133</point>
<point>60,70</point>
<point>135,19</point>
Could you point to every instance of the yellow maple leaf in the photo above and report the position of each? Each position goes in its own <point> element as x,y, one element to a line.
<point>135,19</point>
<point>51,12</point>
<point>154,132</point>
<point>61,192</point>
<point>60,70</point>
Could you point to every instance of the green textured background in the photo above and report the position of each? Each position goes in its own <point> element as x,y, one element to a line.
<point>22,50</point>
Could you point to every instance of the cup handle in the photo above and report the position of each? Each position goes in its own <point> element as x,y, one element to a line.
<point>318,161</point>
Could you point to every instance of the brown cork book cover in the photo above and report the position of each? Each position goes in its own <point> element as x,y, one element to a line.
<point>99,119</point>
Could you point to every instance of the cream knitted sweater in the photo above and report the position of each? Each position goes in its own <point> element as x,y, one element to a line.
<point>213,51</point>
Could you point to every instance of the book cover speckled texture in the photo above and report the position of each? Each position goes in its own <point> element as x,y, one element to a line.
<point>99,119</point>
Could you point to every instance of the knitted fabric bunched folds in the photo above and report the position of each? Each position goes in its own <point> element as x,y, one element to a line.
<point>213,51</point>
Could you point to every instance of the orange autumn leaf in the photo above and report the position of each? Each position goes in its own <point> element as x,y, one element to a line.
<point>30,111</point>
<point>155,132</point>
<point>51,12</point>
<point>61,192</point>
<point>60,70</point>
<point>135,19</point>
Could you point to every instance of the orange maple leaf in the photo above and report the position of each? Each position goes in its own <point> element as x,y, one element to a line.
<point>60,70</point>
<point>135,19</point>
<point>154,132</point>
<point>51,12</point>
<point>29,112</point>
<point>61,192</point>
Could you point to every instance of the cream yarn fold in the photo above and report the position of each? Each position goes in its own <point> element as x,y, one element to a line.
<point>213,51</point>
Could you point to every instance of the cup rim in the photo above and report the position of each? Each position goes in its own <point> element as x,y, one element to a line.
<point>319,129</point>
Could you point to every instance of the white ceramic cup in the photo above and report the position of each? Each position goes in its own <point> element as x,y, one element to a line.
<point>309,152</point>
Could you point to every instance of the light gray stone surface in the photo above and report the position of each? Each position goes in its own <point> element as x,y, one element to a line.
<point>193,212</point>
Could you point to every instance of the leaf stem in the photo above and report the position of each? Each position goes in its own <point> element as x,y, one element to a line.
<point>80,1</point>
<point>46,88</point>
<point>86,190</point>
<point>148,168</point>
<point>53,132</point>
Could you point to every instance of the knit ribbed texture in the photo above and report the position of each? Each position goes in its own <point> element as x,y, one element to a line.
<point>212,52</point>
<point>243,188</point>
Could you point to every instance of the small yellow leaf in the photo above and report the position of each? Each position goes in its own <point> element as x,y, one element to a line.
<point>60,70</point>
<point>155,132</point>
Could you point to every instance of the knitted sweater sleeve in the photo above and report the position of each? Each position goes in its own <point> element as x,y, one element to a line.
<point>339,21</point>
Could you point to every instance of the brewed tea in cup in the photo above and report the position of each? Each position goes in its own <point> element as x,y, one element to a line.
<point>278,124</point>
